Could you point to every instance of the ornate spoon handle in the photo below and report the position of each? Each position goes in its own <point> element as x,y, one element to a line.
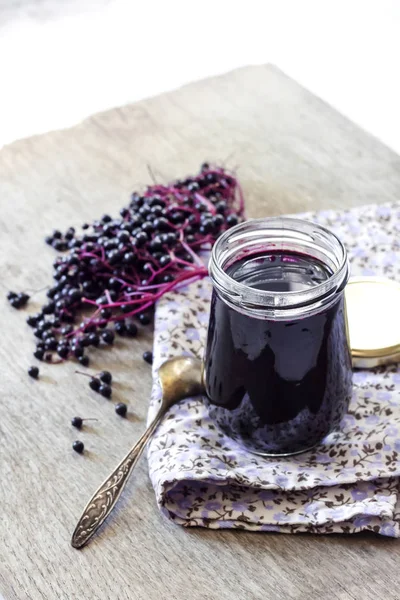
<point>106,496</point>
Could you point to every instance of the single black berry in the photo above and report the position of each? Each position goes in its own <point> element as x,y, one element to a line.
<point>231,220</point>
<point>126,308</point>
<point>51,344</point>
<point>33,372</point>
<point>16,302</point>
<point>32,320</point>
<point>74,295</point>
<point>148,357</point>
<point>218,220</point>
<point>78,446</point>
<point>105,390</point>
<point>140,239</point>
<point>84,340</point>
<point>59,246</point>
<point>121,409</point>
<point>48,309</point>
<point>131,329</point>
<point>78,351</point>
<point>38,354</point>
<point>123,237</point>
<point>114,284</point>
<point>164,260</point>
<point>155,245</point>
<point>129,258</point>
<point>23,298</point>
<point>105,376</point>
<point>221,207</point>
<point>77,422</point>
<point>70,233</point>
<point>94,339</point>
<point>148,227</point>
<point>84,360</point>
<point>62,351</point>
<point>38,330</point>
<point>94,384</point>
<point>144,319</point>
<point>120,327</point>
<point>107,336</point>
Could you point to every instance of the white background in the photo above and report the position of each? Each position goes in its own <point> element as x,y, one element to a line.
<point>62,60</point>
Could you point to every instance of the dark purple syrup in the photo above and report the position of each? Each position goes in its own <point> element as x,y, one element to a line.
<point>278,386</point>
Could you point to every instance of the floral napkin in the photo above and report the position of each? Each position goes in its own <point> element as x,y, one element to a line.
<point>348,484</point>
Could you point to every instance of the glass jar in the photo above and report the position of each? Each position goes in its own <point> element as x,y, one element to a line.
<point>277,365</point>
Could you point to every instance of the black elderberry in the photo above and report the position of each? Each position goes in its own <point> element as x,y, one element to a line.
<point>140,239</point>
<point>120,327</point>
<point>165,260</point>
<point>94,339</point>
<point>77,422</point>
<point>144,318</point>
<point>129,258</point>
<point>78,446</point>
<point>32,320</point>
<point>33,372</point>
<point>94,384</point>
<point>78,351</point>
<point>148,357</point>
<point>62,351</point>
<point>38,354</point>
<point>131,329</point>
<point>121,409</point>
<point>105,390</point>
<point>221,207</point>
<point>105,376</point>
<point>231,220</point>
<point>107,336</point>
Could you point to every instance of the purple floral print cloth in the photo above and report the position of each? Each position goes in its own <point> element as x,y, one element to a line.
<point>348,484</point>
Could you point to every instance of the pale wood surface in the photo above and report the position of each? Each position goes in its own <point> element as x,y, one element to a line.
<point>295,153</point>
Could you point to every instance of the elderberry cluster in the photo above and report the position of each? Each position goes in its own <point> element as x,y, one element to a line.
<point>120,267</point>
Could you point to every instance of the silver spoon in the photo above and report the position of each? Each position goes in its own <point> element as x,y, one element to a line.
<point>180,378</point>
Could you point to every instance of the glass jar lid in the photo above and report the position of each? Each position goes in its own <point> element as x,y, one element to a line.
<point>373,313</point>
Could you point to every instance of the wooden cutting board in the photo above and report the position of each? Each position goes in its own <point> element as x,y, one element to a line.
<point>293,153</point>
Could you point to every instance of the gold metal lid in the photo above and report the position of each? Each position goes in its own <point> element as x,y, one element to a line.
<point>373,315</point>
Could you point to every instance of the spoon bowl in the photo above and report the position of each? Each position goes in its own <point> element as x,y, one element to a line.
<point>180,377</point>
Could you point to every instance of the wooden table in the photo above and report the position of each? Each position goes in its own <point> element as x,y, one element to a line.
<point>294,153</point>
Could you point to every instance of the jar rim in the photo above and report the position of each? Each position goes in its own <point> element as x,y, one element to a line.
<point>279,231</point>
